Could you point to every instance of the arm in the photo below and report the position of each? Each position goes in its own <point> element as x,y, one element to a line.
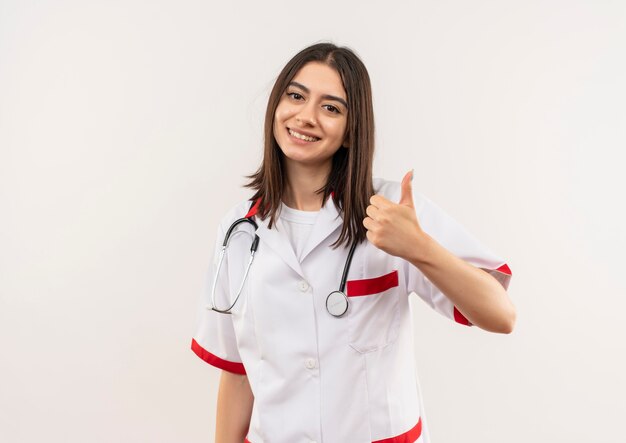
<point>234,407</point>
<point>478,295</point>
<point>394,228</point>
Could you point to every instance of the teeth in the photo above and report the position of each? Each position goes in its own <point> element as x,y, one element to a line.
<point>303,137</point>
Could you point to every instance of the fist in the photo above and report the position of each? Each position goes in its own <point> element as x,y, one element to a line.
<point>393,227</point>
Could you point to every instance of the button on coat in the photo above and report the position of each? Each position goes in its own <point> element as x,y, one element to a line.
<point>303,286</point>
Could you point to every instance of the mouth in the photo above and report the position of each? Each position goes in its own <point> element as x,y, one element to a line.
<point>294,135</point>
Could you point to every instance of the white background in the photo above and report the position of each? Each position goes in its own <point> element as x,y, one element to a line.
<point>126,128</point>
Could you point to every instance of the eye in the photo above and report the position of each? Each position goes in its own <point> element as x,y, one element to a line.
<point>333,109</point>
<point>294,94</point>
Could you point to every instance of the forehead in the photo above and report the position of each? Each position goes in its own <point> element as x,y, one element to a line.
<point>321,79</point>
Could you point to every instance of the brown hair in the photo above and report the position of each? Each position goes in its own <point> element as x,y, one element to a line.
<point>350,178</point>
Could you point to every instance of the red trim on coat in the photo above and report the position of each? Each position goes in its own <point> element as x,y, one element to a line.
<point>368,286</point>
<point>212,359</point>
<point>253,210</point>
<point>409,436</point>
<point>505,269</point>
<point>460,318</point>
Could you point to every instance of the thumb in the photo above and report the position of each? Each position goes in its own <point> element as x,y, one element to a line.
<point>406,191</point>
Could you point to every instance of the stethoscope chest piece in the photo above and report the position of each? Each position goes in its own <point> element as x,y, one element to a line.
<point>337,303</point>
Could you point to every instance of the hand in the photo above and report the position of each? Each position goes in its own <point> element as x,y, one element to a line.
<point>393,227</point>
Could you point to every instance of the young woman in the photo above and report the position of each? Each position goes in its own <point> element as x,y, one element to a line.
<point>314,336</point>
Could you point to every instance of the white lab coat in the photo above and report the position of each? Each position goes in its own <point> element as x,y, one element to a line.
<point>317,378</point>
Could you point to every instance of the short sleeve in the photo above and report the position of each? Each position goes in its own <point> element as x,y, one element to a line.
<point>214,340</point>
<point>455,238</point>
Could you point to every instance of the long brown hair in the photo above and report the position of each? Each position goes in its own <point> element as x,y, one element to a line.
<point>350,178</point>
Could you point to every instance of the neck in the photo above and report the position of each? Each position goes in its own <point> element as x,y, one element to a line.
<point>302,182</point>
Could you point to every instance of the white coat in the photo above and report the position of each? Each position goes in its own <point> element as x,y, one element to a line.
<point>315,377</point>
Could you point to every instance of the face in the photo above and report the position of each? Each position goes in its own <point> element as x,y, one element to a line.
<point>311,118</point>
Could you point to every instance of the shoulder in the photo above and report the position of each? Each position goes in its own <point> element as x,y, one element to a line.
<point>235,212</point>
<point>391,190</point>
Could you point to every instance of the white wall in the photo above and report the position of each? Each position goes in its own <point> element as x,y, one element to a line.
<point>126,128</point>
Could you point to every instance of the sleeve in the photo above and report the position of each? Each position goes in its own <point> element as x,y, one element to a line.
<point>214,340</point>
<point>455,238</point>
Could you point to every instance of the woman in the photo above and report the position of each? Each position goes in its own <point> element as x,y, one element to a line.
<point>301,361</point>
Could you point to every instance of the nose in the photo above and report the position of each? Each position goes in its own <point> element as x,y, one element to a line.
<point>307,114</point>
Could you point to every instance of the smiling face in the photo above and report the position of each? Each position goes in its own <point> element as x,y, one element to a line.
<point>311,118</point>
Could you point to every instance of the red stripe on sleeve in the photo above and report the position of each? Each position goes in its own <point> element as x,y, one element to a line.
<point>505,269</point>
<point>408,437</point>
<point>460,318</point>
<point>230,366</point>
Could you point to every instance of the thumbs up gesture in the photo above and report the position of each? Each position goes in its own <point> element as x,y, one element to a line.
<point>393,227</point>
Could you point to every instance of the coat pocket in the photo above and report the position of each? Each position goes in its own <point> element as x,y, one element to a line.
<point>373,316</point>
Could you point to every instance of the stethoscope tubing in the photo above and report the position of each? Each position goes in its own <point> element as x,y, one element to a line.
<point>343,299</point>
<point>253,248</point>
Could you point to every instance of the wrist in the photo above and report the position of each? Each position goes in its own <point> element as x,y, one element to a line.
<point>422,249</point>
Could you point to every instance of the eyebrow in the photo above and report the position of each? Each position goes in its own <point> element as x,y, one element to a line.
<point>326,96</point>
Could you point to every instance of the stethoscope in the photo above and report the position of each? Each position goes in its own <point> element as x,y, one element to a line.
<point>336,301</point>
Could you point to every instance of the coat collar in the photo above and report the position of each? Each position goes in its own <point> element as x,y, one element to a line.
<point>328,220</point>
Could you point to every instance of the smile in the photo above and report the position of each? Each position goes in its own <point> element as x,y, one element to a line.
<point>302,136</point>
